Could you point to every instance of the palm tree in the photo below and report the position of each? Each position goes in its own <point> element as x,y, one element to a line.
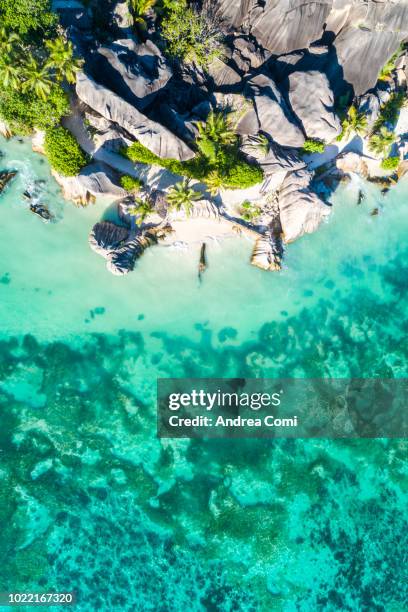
<point>382,141</point>
<point>217,128</point>
<point>8,42</point>
<point>140,8</point>
<point>354,122</point>
<point>61,59</point>
<point>36,79</point>
<point>214,182</point>
<point>181,195</point>
<point>9,73</point>
<point>141,209</point>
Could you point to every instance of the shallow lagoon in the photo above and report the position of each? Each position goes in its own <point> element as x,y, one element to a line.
<point>100,505</point>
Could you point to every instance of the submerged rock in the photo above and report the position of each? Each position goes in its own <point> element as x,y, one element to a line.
<point>273,115</point>
<point>151,134</point>
<point>42,211</point>
<point>5,178</point>
<point>312,101</point>
<point>301,210</point>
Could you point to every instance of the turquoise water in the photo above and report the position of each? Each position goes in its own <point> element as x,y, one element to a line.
<point>91,501</point>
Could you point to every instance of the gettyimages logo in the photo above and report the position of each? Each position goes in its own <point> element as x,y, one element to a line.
<point>272,408</point>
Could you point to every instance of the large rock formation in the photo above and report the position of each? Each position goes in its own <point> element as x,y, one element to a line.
<point>365,32</point>
<point>301,210</point>
<point>135,71</point>
<point>267,253</point>
<point>120,247</point>
<point>277,159</point>
<point>96,179</point>
<point>151,134</point>
<point>273,115</point>
<point>312,101</point>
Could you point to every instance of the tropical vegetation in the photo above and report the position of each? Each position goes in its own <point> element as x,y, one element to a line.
<point>390,163</point>
<point>130,183</point>
<point>355,122</point>
<point>141,209</point>
<point>313,145</point>
<point>35,59</point>
<point>63,152</point>
<point>250,212</point>
<point>218,163</point>
<point>192,36</point>
<point>381,141</point>
<point>182,196</point>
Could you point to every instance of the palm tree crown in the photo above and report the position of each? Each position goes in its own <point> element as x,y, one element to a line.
<point>182,196</point>
<point>61,59</point>
<point>381,142</point>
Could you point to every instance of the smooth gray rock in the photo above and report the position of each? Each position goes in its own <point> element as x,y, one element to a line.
<point>151,134</point>
<point>364,45</point>
<point>281,26</point>
<point>96,179</point>
<point>120,247</point>
<point>222,74</point>
<point>312,101</point>
<point>272,112</point>
<point>106,236</point>
<point>278,159</point>
<point>267,253</point>
<point>301,210</point>
<point>137,69</point>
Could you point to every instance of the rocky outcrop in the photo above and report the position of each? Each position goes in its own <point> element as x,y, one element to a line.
<point>94,180</point>
<point>286,25</point>
<point>277,159</point>
<point>365,44</point>
<point>121,247</point>
<point>301,210</point>
<point>365,33</point>
<point>353,163</point>
<point>267,253</point>
<point>312,101</point>
<point>274,117</point>
<point>151,134</point>
<point>5,178</point>
<point>135,71</point>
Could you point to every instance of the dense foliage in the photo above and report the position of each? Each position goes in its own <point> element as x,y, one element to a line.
<point>130,183</point>
<point>23,16</point>
<point>63,152</point>
<point>192,36</point>
<point>313,145</point>
<point>34,61</point>
<point>390,163</point>
<point>354,122</point>
<point>23,112</point>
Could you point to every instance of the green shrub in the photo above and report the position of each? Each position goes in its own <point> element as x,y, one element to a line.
<point>191,36</point>
<point>140,154</point>
<point>22,16</point>
<point>130,183</point>
<point>390,111</point>
<point>241,175</point>
<point>313,145</point>
<point>390,163</point>
<point>63,152</point>
<point>24,112</point>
